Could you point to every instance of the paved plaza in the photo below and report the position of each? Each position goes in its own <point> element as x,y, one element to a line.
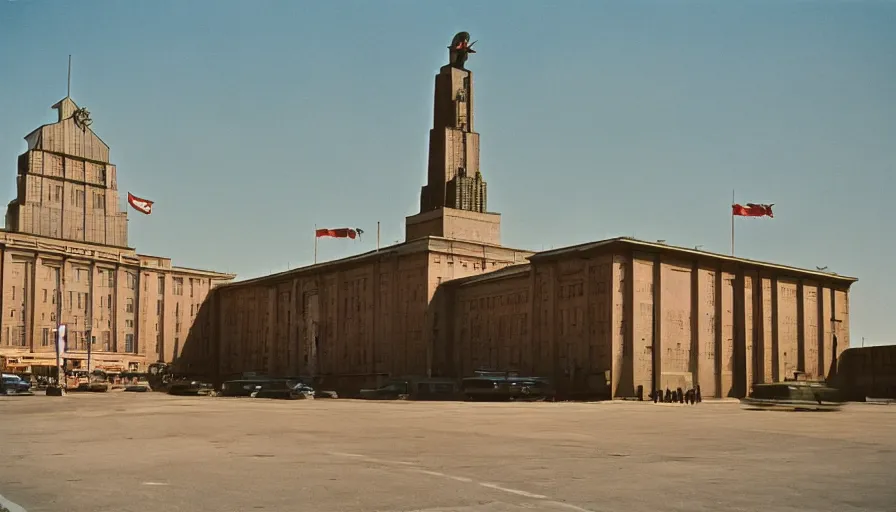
<point>148,451</point>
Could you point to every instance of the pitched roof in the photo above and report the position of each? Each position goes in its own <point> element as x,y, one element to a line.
<point>692,253</point>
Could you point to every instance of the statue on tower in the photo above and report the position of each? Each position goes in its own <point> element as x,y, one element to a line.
<point>460,48</point>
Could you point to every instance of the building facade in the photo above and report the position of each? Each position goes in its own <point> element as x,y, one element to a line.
<point>606,318</point>
<point>65,260</point>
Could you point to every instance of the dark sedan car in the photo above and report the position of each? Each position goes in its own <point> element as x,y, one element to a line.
<point>13,384</point>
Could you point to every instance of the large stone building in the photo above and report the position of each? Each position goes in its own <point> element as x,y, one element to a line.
<point>65,260</point>
<point>600,318</point>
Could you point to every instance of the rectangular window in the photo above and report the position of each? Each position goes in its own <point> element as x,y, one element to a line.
<point>159,307</point>
<point>129,343</point>
<point>191,287</point>
<point>107,341</point>
<point>45,295</point>
<point>45,337</point>
<point>111,274</point>
<point>109,298</point>
<point>132,281</point>
<point>129,305</point>
<point>178,286</point>
<point>161,285</point>
<point>129,323</point>
<point>79,301</point>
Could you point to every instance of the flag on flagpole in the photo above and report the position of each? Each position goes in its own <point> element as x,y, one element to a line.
<point>339,233</point>
<point>143,206</point>
<point>752,210</point>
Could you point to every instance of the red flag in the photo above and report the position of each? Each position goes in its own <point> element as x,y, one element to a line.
<point>752,210</point>
<point>337,233</point>
<point>141,205</point>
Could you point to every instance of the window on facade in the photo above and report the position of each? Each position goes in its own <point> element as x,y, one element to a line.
<point>145,282</point>
<point>53,298</point>
<point>129,323</point>
<point>107,341</point>
<point>129,343</point>
<point>58,193</point>
<point>131,281</point>
<point>161,284</point>
<point>45,295</point>
<point>79,301</point>
<point>111,276</point>
<point>178,286</point>
<point>129,305</point>
<point>109,299</point>
<point>78,197</point>
<point>160,306</point>
<point>45,337</point>
<point>191,287</point>
<point>13,293</point>
<point>70,298</point>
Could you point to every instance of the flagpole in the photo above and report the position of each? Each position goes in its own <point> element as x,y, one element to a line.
<point>732,222</point>
<point>377,236</point>
<point>315,244</point>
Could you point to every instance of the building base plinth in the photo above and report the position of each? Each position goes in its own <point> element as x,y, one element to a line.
<point>456,224</point>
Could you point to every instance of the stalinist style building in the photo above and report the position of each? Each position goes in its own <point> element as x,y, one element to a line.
<point>65,260</point>
<point>602,319</point>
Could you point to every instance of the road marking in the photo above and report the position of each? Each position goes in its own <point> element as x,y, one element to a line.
<point>343,454</point>
<point>10,506</point>
<point>154,483</point>
<point>382,461</point>
<point>513,491</point>
<point>464,479</point>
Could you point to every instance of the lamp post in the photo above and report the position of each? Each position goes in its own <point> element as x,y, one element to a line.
<point>59,388</point>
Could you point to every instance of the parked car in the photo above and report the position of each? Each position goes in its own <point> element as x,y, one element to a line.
<point>13,384</point>
<point>283,389</point>
<point>189,387</point>
<point>795,396</point>
<point>415,388</point>
<point>505,386</point>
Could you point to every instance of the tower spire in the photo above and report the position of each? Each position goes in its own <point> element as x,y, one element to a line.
<point>453,202</point>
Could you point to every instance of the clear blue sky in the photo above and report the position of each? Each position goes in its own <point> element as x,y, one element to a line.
<point>248,122</point>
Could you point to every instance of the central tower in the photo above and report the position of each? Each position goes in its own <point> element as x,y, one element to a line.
<point>453,203</point>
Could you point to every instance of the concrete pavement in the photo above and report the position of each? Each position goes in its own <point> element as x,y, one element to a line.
<point>147,451</point>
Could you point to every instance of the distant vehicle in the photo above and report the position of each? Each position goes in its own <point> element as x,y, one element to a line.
<point>189,387</point>
<point>794,396</point>
<point>284,389</point>
<point>415,388</point>
<point>13,384</point>
<point>240,387</point>
<point>505,386</point>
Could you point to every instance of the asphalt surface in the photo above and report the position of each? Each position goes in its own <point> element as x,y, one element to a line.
<point>147,451</point>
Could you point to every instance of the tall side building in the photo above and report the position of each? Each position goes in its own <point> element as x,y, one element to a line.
<point>65,260</point>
